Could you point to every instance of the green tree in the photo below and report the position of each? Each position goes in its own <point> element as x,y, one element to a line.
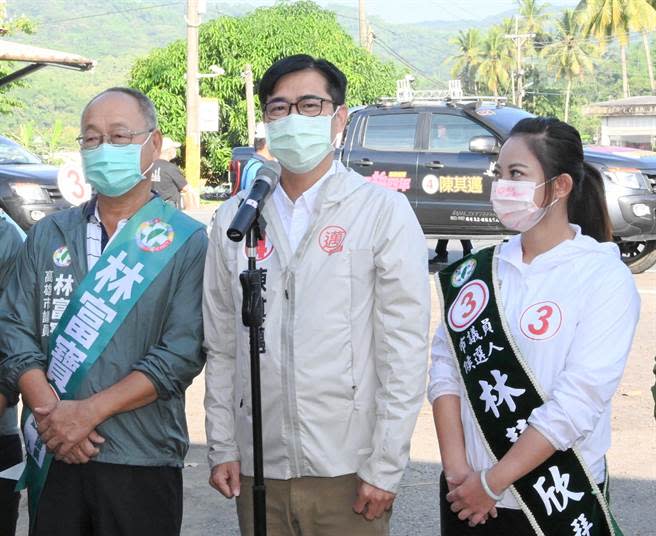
<point>534,18</point>
<point>568,56</point>
<point>615,19</point>
<point>508,27</point>
<point>468,58</point>
<point>8,27</point>
<point>644,22</point>
<point>260,38</point>
<point>497,62</point>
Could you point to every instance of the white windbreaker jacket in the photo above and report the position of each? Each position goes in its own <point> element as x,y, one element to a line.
<point>578,354</point>
<point>346,334</point>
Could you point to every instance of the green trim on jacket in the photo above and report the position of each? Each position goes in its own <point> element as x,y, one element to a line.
<point>161,337</point>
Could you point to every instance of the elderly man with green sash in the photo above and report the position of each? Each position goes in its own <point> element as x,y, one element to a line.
<point>102,334</point>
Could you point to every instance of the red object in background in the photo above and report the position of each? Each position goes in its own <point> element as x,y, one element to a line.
<point>235,171</point>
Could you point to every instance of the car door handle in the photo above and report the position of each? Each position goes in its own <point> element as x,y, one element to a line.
<point>363,162</point>
<point>435,165</point>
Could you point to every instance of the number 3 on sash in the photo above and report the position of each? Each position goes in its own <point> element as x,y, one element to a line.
<point>468,305</point>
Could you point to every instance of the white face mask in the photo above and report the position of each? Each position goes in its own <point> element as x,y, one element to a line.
<point>299,142</point>
<point>513,203</point>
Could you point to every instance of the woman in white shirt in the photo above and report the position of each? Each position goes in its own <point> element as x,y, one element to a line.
<point>569,308</point>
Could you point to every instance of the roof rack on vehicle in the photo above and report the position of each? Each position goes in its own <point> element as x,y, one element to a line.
<point>406,95</point>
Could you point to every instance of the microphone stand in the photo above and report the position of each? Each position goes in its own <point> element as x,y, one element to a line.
<point>253,281</point>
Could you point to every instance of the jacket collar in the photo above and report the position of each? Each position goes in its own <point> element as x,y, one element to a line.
<point>336,187</point>
<point>340,185</point>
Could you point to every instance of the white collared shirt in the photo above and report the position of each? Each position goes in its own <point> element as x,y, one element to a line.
<point>579,354</point>
<point>94,237</point>
<point>297,216</point>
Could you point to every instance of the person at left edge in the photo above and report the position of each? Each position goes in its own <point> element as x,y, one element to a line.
<point>119,445</point>
<point>10,445</point>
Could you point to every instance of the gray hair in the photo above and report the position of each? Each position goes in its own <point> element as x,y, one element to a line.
<point>146,106</point>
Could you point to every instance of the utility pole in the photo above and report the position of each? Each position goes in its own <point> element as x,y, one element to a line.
<point>519,40</point>
<point>250,103</point>
<point>363,24</point>
<point>371,36</point>
<point>192,142</point>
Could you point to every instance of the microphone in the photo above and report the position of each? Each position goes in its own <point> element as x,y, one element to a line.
<point>266,180</point>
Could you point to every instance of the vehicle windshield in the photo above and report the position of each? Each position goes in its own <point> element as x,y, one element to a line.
<point>503,118</point>
<point>12,153</point>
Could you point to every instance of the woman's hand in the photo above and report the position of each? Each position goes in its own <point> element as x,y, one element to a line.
<point>456,476</point>
<point>470,501</point>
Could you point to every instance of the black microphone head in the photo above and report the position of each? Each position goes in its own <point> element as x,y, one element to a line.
<point>265,182</point>
<point>269,170</point>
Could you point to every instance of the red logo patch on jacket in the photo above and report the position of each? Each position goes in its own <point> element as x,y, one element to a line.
<point>264,249</point>
<point>331,239</point>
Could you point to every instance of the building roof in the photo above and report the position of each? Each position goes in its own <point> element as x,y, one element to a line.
<point>642,105</point>
<point>38,58</point>
<point>11,51</point>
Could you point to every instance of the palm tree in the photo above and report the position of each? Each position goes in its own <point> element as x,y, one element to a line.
<point>608,19</point>
<point>469,57</point>
<point>568,56</point>
<point>644,21</point>
<point>507,27</point>
<point>534,17</point>
<point>493,70</point>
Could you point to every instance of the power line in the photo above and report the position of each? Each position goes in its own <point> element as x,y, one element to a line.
<point>632,36</point>
<point>387,30</point>
<point>592,39</point>
<point>94,15</point>
<point>405,62</point>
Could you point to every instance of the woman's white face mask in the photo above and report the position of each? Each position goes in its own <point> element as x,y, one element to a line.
<point>513,202</point>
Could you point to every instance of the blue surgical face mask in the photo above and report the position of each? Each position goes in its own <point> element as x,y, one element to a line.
<point>114,170</point>
<point>299,142</point>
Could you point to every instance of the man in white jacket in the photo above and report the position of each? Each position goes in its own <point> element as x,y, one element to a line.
<point>347,317</point>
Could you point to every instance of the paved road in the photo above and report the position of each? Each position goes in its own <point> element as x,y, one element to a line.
<point>632,457</point>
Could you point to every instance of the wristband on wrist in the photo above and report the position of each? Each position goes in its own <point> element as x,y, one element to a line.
<point>487,488</point>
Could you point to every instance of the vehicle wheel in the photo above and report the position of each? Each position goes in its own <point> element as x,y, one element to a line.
<point>639,256</point>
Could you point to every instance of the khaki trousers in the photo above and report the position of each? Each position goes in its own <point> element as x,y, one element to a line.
<point>309,506</point>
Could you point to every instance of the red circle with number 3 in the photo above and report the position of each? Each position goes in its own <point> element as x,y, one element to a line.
<point>541,321</point>
<point>468,305</point>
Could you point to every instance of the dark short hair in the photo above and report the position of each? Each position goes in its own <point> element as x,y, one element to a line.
<point>146,106</point>
<point>259,143</point>
<point>335,79</point>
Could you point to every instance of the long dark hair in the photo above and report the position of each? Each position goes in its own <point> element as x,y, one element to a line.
<point>558,148</point>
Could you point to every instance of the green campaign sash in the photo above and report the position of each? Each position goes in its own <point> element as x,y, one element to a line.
<point>98,307</point>
<point>559,497</point>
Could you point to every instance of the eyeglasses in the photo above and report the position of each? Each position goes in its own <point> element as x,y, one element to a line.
<point>309,106</point>
<point>121,136</point>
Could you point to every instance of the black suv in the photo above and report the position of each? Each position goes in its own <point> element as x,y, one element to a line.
<point>28,187</point>
<point>441,153</point>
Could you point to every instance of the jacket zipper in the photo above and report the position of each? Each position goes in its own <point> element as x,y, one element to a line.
<point>288,372</point>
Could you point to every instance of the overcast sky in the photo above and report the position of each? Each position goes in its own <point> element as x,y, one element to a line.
<point>424,10</point>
